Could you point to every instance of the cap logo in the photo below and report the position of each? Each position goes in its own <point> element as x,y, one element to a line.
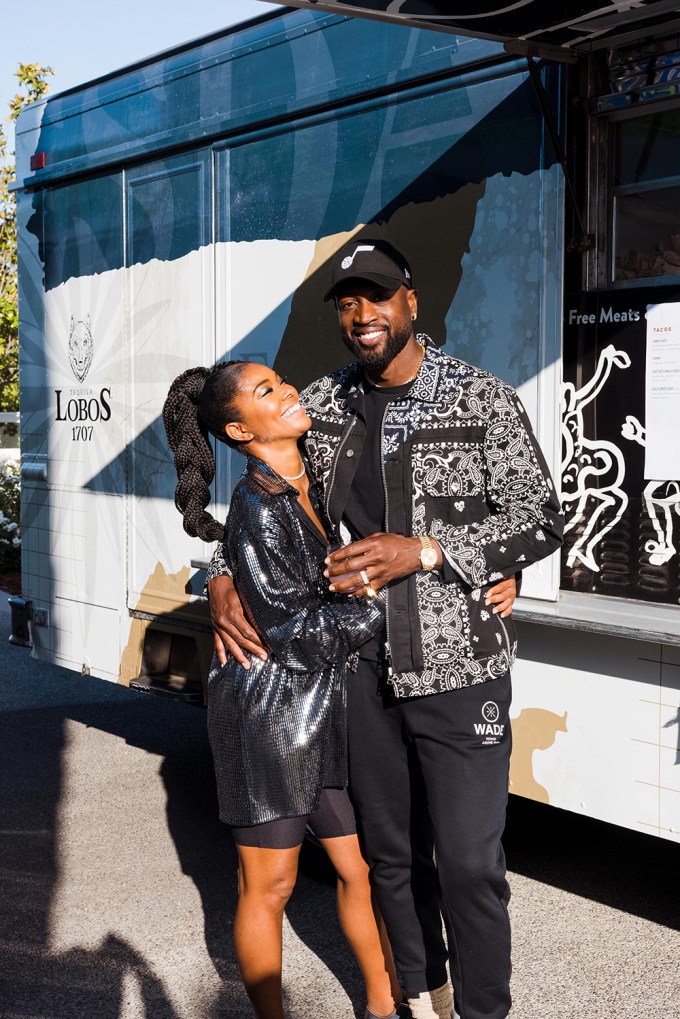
<point>347,261</point>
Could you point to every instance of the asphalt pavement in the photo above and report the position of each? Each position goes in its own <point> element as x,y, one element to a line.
<point>118,883</point>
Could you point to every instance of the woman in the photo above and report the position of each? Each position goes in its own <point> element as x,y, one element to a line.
<point>277,728</point>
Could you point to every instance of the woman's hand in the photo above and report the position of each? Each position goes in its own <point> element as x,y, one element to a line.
<point>502,596</point>
<point>232,632</point>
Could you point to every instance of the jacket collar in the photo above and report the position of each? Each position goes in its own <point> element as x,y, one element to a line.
<point>426,382</point>
<point>424,387</point>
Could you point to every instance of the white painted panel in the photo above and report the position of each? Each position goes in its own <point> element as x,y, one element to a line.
<point>85,377</point>
<point>669,721</point>
<point>256,283</point>
<point>78,551</point>
<point>87,636</point>
<point>171,329</point>
<point>606,758</point>
<point>259,280</point>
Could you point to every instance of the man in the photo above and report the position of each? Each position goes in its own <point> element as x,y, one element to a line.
<point>431,466</point>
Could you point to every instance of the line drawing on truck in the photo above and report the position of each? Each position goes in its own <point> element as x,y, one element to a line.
<point>592,469</point>
<point>661,498</point>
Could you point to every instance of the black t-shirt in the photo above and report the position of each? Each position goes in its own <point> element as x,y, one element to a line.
<point>365,507</point>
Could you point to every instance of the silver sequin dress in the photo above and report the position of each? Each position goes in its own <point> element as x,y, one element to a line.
<point>278,730</point>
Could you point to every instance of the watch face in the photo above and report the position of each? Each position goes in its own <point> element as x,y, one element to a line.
<point>428,558</point>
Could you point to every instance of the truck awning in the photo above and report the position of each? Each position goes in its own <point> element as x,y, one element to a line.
<point>566,25</point>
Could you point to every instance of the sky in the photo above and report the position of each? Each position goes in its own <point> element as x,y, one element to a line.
<point>82,39</point>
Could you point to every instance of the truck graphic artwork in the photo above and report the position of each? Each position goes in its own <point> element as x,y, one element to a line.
<point>183,211</point>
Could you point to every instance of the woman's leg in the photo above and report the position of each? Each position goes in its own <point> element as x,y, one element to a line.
<point>266,880</point>
<point>362,924</point>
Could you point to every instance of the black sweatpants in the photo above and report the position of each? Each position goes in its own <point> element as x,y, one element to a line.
<point>431,773</point>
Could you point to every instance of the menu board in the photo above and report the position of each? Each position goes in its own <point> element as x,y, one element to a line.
<point>662,391</point>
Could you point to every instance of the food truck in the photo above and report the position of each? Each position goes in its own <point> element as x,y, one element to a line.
<point>183,210</point>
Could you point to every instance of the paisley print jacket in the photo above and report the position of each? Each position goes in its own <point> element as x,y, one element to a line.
<point>461,444</point>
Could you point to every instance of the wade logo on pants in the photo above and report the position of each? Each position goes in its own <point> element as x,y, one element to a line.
<point>491,729</point>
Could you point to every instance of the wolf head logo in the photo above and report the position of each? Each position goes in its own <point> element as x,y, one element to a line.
<point>80,347</point>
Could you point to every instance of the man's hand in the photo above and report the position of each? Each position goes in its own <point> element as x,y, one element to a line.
<point>502,596</point>
<point>382,557</point>
<point>231,630</point>
<point>386,557</point>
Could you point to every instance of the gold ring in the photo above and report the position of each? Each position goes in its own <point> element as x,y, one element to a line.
<point>371,592</point>
<point>364,577</point>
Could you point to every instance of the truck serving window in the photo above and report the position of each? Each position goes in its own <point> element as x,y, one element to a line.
<point>646,196</point>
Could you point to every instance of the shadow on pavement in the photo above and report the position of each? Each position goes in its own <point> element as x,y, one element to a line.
<point>63,985</point>
<point>623,869</point>
<point>92,982</point>
<point>79,982</point>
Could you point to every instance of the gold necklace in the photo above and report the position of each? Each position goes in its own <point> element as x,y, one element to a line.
<point>383,385</point>
<point>296,477</point>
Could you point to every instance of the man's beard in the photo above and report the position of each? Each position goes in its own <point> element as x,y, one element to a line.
<point>378,360</point>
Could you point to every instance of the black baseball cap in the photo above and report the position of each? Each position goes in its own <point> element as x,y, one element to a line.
<point>367,259</point>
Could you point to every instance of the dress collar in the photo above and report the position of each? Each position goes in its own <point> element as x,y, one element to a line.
<point>267,478</point>
<point>273,484</point>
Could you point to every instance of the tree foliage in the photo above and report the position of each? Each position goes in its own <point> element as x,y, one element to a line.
<point>10,535</point>
<point>32,80</point>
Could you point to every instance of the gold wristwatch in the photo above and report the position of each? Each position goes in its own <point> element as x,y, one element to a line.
<point>428,553</point>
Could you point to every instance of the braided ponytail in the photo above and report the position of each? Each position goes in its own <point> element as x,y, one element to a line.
<point>199,401</point>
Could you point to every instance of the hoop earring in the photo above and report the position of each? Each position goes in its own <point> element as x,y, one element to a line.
<point>413,317</point>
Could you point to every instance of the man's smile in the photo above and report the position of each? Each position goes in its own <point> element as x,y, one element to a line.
<point>370,337</point>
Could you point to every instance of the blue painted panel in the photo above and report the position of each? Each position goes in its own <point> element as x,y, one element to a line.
<point>169,207</point>
<point>285,65</point>
<point>361,167</point>
<point>306,181</point>
<point>82,230</point>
